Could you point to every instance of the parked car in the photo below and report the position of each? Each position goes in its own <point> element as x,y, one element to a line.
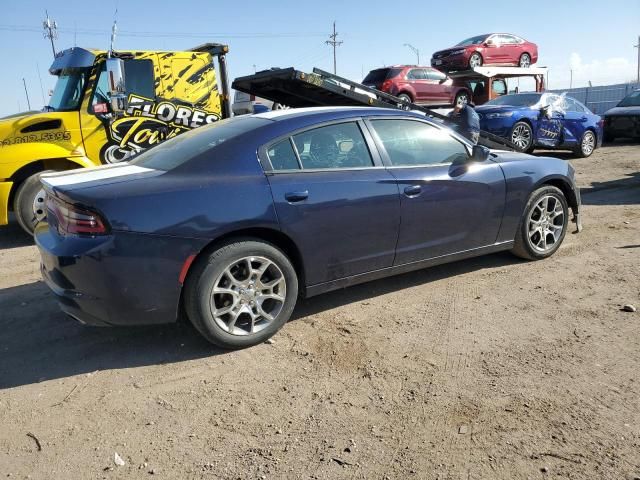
<point>421,85</point>
<point>623,121</point>
<point>488,49</point>
<point>545,120</point>
<point>245,104</point>
<point>334,196</point>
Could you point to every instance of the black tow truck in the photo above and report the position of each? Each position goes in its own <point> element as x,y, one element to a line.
<point>297,89</point>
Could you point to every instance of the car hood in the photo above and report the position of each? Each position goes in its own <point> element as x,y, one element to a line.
<point>622,111</point>
<point>448,50</point>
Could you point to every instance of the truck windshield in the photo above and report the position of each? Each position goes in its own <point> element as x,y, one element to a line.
<point>632,100</point>
<point>67,93</point>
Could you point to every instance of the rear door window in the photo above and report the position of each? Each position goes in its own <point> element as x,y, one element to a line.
<point>333,147</point>
<point>416,74</point>
<point>282,156</point>
<point>411,143</point>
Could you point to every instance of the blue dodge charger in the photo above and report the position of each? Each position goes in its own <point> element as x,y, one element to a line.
<point>232,222</point>
<point>543,120</point>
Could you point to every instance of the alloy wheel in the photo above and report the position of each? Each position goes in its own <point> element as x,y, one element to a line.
<point>475,61</point>
<point>546,222</point>
<point>521,137</point>
<point>248,295</point>
<point>525,61</point>
<point>588,144</point>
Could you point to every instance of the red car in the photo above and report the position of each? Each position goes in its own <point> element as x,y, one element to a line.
<point>421,85</point>
<point>489,49</point>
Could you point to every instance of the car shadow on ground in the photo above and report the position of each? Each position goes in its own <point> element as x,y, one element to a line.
<point>38,342</point>
<point>568,155</point>
<point>12,236</point>
<point>621,191</point>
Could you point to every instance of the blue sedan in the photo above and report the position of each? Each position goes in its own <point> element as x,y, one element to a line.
<point>232,222</point>
<point>543,120</point>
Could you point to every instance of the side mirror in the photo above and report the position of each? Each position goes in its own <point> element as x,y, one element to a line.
<point>116,82</point>
<point>480,153</point>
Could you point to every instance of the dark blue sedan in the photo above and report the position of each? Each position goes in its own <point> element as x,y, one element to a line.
<point>231,222</point>
<point>543,120</point>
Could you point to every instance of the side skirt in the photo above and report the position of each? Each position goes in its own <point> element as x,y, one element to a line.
<point>314,290</point>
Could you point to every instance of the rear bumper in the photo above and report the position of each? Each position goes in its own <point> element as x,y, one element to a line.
<point>118,279</point>
<point>5,190</point>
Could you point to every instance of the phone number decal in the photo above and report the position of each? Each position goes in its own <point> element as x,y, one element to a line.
<point>42,137</point>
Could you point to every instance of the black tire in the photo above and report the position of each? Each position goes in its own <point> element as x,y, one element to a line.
<point>461,98</point>
<point>515,130</point>
<point>23,203</point>
<point>405,97</point>
<point>208,271</point>
<point>475,57</point>
<point>587,145</point>
<point>524,245</point>
<point>524,61</point>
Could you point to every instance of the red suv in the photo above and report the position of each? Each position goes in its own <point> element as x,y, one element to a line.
<point>421,85</point>
<point>488,49</point>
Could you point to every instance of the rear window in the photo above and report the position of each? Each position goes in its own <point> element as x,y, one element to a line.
<point>179,150</point>
<point>381,74</point>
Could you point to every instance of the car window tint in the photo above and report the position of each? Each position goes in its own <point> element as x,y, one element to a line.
<point>410,143</point>
<point>334,146</point>
<point>416,74</point>
<point>179,150</point>
<point>282,156</point>
<point>434,74</point>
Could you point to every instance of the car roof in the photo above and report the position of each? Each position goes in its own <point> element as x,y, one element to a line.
<point>331,113</point>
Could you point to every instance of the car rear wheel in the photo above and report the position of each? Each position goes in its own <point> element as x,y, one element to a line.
<point>587,145</point>
<point>522,137</point>
<point>475,60</point>
<point>405,97</point>
<point>525,60</point>
<point>241,294</point>
<point>29,203</point>
<point>462,98</point>
<point>543,225</point>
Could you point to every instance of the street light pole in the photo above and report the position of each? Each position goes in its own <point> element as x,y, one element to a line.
<point>415,50</point>
<point>638,47</point>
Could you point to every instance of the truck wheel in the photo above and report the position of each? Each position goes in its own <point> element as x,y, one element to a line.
<point>29,203</point>
<point>241,294</point>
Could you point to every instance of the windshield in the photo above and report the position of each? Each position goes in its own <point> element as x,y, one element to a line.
<point>67,93</point>
<point>632,100</point>
<point>179,150</point>
<point>518,100</point>
<point>477,40</point>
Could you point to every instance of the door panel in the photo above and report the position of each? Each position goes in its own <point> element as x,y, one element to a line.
<point>459,208</point>
<point>344,222</point>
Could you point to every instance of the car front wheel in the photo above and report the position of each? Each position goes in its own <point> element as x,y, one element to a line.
<point>241,294</point>
<point>522,137</point>
<point>587,145</point>
<point>475,60</point>
<point>543,225</point>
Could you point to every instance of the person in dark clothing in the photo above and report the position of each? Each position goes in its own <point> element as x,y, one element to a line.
<point>466,121</point>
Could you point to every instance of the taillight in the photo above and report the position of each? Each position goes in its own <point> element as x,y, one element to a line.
<point>72,219</point>
<point>386,86</point>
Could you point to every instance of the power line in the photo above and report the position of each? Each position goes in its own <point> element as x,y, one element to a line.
<point>50,31</point>
<point>334,43</point>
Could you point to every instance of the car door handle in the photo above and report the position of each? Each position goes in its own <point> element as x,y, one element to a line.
<point>583,119</point>
<point>297,196</point>
<point>412,190</point>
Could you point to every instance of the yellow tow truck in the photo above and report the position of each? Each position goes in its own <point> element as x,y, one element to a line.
<point>106,106</point>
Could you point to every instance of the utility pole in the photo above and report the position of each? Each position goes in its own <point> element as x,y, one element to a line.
<point>638,47</point>
<point>26,93</point>
<point>44,102</point>
<point>571,79</point>
<point>254,68</point>
<point>50,31</point>
<point>415,50</point>
<point>334,43</point>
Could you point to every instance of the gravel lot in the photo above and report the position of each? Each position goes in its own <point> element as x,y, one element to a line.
<point>488,368</point>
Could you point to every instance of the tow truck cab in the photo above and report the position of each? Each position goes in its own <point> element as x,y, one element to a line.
<point>163,94</point>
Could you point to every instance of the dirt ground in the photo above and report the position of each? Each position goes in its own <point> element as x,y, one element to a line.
<point>483,369</point>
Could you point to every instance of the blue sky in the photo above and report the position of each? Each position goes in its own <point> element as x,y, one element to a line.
<point>594,38</point>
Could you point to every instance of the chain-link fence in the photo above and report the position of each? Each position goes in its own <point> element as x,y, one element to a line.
<point>602,98</point>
